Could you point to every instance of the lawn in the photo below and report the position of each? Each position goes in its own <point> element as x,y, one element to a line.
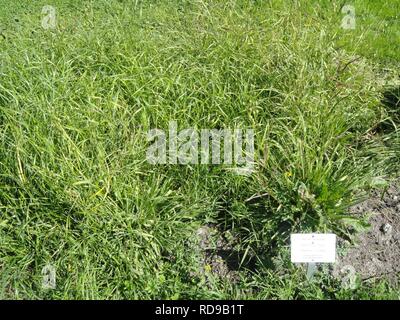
<point>78,194</point>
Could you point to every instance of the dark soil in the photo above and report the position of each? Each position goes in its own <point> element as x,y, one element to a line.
<point>216,253</point>
<point>375,253</point>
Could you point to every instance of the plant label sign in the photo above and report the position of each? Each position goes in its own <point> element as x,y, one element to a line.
<point>313,247</point>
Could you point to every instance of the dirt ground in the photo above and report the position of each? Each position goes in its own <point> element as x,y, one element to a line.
<point>375,253</point>
<point>217,254</point>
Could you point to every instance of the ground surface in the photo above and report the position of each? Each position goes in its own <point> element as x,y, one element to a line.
<point>370,254</point>
<point>77,194</point>
<point>376,253</point>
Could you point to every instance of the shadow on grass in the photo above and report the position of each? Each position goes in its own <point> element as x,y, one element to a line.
<point>391,102</point>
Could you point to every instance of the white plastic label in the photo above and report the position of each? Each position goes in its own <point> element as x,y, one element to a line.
<point>313,247</point>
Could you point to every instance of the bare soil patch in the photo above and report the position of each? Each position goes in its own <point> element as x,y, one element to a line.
<point>375,253</point>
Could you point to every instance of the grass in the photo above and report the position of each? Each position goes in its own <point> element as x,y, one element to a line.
<point>76,103</point>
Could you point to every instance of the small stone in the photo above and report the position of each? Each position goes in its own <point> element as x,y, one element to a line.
<point>387,228</point>
<point>203,234</point>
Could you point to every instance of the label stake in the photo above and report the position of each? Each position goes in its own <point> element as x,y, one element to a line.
<point>311,269</point>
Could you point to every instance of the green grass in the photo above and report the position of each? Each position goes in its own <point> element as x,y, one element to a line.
<point>76,103</point>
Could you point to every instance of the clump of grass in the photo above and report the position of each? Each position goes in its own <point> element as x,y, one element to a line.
<point>76,102</point>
